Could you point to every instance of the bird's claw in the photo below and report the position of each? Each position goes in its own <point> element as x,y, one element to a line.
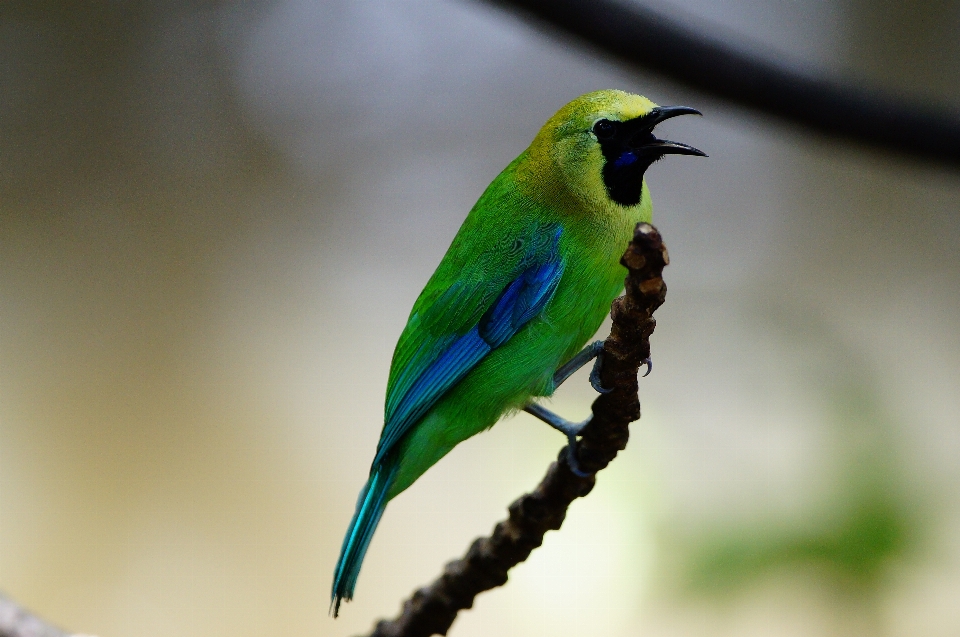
<point>572,462</point>
<point>595,373</point>
<point>572,431</point>
<point>649,364</point>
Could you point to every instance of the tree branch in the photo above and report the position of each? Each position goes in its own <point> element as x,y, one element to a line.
<point>16,621</point>
<point>432,609</point>
<point>641,37</point>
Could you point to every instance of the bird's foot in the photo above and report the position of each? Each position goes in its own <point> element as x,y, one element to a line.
<point>567,427</point>
<point>590,352</point>
<point>649,363</point>
<point>595,372</point>
<point>572,462</point>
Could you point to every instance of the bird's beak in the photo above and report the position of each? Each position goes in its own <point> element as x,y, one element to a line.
<point>662,113</point>
<point>666,147</point>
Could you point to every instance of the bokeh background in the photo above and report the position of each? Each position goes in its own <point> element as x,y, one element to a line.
<point>214,217</point>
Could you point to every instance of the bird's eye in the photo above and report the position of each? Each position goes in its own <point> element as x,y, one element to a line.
<point>604,129</point>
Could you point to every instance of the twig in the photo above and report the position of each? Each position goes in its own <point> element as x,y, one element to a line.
<point>16,621</point>
<point>432,609</point>
<point>641,37</point>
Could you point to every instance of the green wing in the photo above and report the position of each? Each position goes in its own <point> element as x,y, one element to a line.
<point>470,307</point>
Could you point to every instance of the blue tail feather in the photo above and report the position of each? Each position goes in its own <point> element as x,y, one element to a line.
<point>370,506</point>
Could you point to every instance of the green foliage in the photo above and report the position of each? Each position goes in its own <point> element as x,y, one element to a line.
<point>853,551</point>
<point>849,540</point>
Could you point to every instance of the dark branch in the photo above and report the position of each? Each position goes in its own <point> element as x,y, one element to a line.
<point>432,609</point>
<point>641,37</point>
<point>16,621</point>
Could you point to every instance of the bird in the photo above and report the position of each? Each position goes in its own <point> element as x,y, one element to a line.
<point>526,282</point>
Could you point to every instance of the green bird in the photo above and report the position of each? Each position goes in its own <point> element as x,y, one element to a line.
<point>525,284</point>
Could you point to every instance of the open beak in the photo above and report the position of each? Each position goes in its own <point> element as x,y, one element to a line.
<point>666,147</point>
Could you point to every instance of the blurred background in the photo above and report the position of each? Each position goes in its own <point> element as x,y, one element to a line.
<point>214,218</point>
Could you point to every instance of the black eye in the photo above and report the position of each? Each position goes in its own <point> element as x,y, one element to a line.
<point>604,129</point>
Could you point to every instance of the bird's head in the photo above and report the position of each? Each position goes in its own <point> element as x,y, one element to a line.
<point>601,144</point>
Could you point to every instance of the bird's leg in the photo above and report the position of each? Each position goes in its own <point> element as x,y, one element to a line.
<point>592,351</point>
<point>570,429</point>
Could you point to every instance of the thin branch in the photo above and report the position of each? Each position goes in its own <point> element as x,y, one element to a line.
<point>16,621</point>
<point>432,609</point>
<point>641,37</point>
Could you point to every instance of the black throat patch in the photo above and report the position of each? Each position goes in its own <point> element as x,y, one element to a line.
<point>625,159</point>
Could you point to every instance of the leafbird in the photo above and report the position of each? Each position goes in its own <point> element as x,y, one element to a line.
<point>525,284</point>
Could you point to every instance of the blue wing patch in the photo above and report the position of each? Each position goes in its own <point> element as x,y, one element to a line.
<point>523,299</point>
<point>450,358</point>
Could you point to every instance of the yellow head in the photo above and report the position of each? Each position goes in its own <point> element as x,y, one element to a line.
<point>597,148</point>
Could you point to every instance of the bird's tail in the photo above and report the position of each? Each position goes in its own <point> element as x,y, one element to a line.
<point>370,506</point>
